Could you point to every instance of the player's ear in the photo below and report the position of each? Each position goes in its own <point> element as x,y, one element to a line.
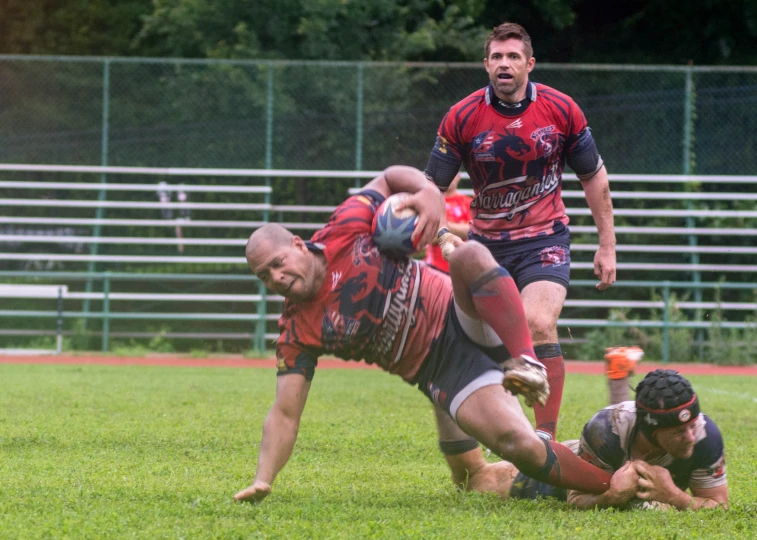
<point>298,243</point>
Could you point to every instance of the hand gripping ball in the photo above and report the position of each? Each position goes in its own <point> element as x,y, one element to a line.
<point>392,229</point>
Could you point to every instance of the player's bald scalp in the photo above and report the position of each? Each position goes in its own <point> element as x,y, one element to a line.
<point>270,233</point>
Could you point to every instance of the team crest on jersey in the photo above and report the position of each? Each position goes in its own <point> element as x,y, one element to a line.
<point>364,251</point>
<point>546,140</point>
<point>437,395</point>
<point>483,146</point>
<point>553,256</point>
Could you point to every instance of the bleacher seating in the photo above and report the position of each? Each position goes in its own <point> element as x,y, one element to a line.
<point>181,263</point>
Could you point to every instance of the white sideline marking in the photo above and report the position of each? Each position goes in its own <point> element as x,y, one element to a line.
<point>742,395</point>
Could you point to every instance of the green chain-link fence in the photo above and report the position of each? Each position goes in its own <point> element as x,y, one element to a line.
<point>343,116</point>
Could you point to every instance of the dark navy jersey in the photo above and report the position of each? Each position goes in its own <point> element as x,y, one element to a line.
<point>370,307</point>
<point>515,162</point>
<point>606,442</point>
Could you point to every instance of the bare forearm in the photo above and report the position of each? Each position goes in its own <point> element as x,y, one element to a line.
<point>597,192</point>
<point>588,501</point>
<point>279,436</point>
<point>684,501</point>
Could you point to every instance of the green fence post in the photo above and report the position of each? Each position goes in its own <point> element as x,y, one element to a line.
<point>262,303</point>
<point>688,138</point>
<point>359,123</point>
<point>106,311</point>
<point>95,246</point>
<point>59,336</point>
<point>666,323</point>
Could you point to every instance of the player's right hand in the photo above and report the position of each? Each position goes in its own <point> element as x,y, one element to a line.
<point>623,484</point>
<point>448,243</point>
<point>254,494</point>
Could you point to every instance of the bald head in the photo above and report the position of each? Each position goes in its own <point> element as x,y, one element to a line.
<point>283,262</point>
<point>270,233</point>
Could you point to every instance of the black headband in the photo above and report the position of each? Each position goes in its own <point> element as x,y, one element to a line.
<point>650,420</point>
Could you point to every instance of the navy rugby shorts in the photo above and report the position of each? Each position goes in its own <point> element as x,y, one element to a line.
<point>543,258</point>
<point>457,366</point>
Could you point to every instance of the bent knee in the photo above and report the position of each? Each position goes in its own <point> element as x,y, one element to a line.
<point>541,325</point>
<point>472,253</point>
<point>517,445</point>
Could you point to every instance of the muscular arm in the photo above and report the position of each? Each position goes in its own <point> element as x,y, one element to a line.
<point>279,435</point>
<point>709,497</point>
<point>656,484</point>
<point>597,192</point>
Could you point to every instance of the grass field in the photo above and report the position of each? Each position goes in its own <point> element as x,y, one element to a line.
<point>147,452</point>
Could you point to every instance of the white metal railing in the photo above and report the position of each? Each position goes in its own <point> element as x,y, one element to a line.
<point>722,223</point>
<point>291,209</point>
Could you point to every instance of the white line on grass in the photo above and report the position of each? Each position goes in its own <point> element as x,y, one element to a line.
<point>742,395</point>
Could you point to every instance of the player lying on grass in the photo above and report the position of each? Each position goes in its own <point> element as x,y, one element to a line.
<point>658,447</point>
<point>440,333</point>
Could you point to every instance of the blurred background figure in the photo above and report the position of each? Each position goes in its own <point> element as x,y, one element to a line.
<point>457,206</point>
<point>164,196</point>
<point>619,365</point>
<point>181,197</point>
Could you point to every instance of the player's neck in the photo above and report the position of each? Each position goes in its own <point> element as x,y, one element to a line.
<point>514,98</point>
<point>513,104</point>
<point>319,270</point>
<point>644,449</point>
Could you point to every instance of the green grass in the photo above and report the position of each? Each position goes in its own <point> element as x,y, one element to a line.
<point>136,452</point>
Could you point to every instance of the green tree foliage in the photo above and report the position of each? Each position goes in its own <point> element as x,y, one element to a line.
<point>644,31</point>
<point>313,29</point>
<point>74,27</point>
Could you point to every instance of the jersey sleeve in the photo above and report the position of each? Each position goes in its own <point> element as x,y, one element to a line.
<point>709,460</point>
<point>291,358</point>
<point>447,154</point>
<point>449,140</point>
<point>353,216</point>
<point>581,150</point>
<point>576,123</point>
<point>599,445</point>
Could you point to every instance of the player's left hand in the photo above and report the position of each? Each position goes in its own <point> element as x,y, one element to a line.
<point>655,483</point>
<point>428,202</point>
<point>604,266</point>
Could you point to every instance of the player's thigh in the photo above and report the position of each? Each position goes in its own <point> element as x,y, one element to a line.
<point>495,418</point>
<point>543,302</point>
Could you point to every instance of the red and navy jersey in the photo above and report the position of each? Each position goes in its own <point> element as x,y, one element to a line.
<point>515,162</point>
<point>607,438</point>
<point>370,307</point>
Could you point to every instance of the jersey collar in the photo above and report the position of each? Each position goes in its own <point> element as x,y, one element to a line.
<point>511,109</point>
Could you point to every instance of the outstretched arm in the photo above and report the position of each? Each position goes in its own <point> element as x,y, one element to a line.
<point>597,192</point>
<point>279,435</point>
<point>656,484</point>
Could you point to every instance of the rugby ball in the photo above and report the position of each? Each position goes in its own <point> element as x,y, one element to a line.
<point>392,229</point>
